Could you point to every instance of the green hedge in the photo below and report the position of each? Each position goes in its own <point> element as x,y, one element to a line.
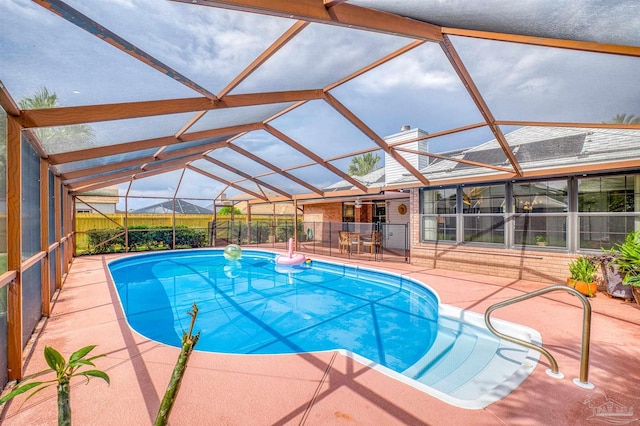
<point>144,238</point>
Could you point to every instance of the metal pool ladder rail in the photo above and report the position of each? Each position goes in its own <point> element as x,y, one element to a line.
<point>583,381</point>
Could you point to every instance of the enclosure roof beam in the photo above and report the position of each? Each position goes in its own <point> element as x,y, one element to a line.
<point>586,46</point>
<point>92,27</point>
<point>274,168</point>
<point>438,134</point>
<point>201,149</point>
<point>123,148</point>
<point>474,93</point>
<point>106,168</point>
<point>350,116</point>
<point>226,182</point>
<point>246,176</point>
<point>563,124</point>
<point>375,64</point>
<point>457,160</point>
<point>163,167</point>
<point>7,103</point>
<point>124,178</point>
<point>64,116</point>
<point>298,147</point>
<point>262,58</point>
<point>344,15</point>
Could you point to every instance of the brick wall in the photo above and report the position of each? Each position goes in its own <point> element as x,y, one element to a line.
<point>534,265</point>
<point>324,212</point>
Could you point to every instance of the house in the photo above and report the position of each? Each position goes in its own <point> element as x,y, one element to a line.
<point>103,200</point>
<point>181,206</point>
<point>534,148</point>
<point>384,207</point>
<point>476,208</point>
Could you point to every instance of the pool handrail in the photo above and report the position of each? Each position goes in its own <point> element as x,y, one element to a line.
<point>583,381</point>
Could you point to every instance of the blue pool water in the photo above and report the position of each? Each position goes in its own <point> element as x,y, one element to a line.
<point>253,306</point>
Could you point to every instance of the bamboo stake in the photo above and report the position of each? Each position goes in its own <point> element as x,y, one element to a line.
<point>188,343</point>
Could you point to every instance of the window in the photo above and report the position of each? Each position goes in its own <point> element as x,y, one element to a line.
<point>483,209</point>
<point>572,213</point>
<point>348,213</point>
<point>439,214</point>
<point>540,213</point>
<point>379,212</point>
<point>607,209</point>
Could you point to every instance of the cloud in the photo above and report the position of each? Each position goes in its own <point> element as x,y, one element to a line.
<point>534,83</point>
<point>20,10</point>
<point>410,71</point>
<point>307,61</point>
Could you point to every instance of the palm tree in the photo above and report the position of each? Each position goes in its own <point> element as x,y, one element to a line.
<point>41,99</point>
<point>624,119</point>
<point>363,164</point>
<point>77,135</point>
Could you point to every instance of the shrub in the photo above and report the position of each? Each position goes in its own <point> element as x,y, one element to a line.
<point>96,237</point>
<point>284,231</point>
<point>142,237</point>
<point>189,237</point>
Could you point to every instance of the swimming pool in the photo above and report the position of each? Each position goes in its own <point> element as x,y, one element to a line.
<point>387,321</point>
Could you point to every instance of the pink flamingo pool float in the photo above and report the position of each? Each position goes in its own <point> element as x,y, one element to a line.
<point>292,259</point>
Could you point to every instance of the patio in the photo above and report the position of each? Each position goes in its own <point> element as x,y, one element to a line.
<point>327,388</point>
<point>518,150</point>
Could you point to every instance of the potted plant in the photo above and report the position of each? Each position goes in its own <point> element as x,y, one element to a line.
<point>541,240</point>
<point>627,260</point>
<point>611,276</point>
<point>583,276</point>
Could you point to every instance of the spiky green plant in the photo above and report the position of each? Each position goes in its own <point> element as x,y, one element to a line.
<point>627,258</point>
<point>583,269</point>
<point>64,370</point>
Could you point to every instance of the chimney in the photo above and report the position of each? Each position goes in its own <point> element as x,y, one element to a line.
<point>392,169</point>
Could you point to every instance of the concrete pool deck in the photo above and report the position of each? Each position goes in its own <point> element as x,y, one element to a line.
<point>328,388</point>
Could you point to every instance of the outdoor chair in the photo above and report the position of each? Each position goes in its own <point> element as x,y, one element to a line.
<point>344,242</point>
<point>375,242</point>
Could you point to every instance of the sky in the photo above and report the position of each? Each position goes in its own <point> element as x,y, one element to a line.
<point>210,46</point>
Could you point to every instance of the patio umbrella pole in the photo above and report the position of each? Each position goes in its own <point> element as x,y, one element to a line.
<point>188,343</point>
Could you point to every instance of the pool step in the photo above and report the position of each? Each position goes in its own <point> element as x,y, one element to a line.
<point>468,363</point>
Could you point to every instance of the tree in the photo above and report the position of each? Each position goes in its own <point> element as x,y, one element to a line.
<point>80,135</point>
<point>624,119</point>
<point>363,164</point>
<point>226,211</point>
